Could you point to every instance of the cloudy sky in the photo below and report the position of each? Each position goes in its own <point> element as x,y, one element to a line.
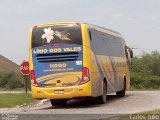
<point>137,20</point>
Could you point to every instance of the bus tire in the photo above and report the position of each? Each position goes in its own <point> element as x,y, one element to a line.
<point>122,92</point>
<point>58,102</point>
<point>103,98</point>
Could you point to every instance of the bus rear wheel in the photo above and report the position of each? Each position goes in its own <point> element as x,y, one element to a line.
<point>58,102</point>
<point>122,92</point>
<point>103,99</point>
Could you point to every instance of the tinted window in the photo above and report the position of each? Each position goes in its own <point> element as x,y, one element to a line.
<point>104,44</point>
<point>52,35</point>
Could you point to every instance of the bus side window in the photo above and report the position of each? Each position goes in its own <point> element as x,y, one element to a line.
<point>90,35</point>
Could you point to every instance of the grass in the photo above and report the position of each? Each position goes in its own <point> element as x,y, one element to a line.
<point>156,111</point>
<point>155,114</point>
<point>145,115</point>
<point>12,100</point>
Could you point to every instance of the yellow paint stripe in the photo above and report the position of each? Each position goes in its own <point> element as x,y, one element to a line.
<point>56,24</point>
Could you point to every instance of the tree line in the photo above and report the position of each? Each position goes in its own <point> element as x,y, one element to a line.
<point>145,71</point>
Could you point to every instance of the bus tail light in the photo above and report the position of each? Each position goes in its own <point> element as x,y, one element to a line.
<point>85,76</point>
<point>33,78</point>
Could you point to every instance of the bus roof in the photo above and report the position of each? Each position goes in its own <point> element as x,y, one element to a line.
<point>59,24</point>
<point>102,29</point>
<point>106,30</point>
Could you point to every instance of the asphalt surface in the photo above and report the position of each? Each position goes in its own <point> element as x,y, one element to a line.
<point>133,102</point>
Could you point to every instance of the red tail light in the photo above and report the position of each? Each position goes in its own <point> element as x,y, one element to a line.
<point>33,78</point>
<point>85,76</point>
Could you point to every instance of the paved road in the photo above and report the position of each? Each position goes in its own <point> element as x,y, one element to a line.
<point>133,102</point>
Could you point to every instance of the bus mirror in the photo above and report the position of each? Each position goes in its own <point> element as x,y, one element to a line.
<point>129,54</point>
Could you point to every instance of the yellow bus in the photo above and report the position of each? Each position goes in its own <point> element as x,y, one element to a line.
<point>73,60</point>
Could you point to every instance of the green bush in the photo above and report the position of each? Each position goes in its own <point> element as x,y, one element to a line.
<point>12,80</point>
<point>3,81</point>
<point>142,81</point>
<point>145,71</point>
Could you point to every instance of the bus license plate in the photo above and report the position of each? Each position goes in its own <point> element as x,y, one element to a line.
<point>59,91</point>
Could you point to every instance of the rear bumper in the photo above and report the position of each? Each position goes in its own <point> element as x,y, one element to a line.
<point>69,92</point>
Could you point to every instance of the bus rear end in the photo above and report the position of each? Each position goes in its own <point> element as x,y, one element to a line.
<point>56,62</point>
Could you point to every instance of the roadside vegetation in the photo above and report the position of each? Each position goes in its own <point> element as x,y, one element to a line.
<point>148,115</point>
<point>156,111</point>
<point>13,81</point>
<point>12,100</point>
<point>145,72</point>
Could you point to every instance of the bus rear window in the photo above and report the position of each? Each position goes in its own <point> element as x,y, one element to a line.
<point>56,35</point>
